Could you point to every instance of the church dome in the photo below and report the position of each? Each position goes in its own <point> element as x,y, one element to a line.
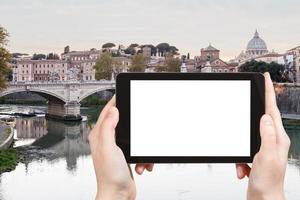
<point>256,46</point>
<point>256,43</point>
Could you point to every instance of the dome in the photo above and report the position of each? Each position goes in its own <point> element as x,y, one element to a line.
<point>256,43</point>
<point>256,46</point>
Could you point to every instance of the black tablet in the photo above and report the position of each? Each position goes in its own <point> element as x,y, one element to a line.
<point>189,117</point>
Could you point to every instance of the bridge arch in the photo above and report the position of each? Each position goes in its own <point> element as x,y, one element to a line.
<point>109,88</point>
<point>44,93</point>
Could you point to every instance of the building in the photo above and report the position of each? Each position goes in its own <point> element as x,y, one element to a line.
<point>269,57</point>
<point>84,61</point>
<point>209,61</point>
<point>80,63</point>
<point>256,47</point>
<point>295,52</point>
<point>146,51</point>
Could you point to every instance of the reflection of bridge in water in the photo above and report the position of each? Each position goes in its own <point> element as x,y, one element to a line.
<point>63,96</point>
<point>54,139</point>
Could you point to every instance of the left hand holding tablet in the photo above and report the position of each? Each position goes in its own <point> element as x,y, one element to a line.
<point>114,176</point>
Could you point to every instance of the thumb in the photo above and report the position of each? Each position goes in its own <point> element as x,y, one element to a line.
<point>267,134</point>
<point>109,124</point>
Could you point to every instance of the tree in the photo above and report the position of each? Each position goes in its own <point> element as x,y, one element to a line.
<point>52,56</point>
<point>173,50</point>
<point>133,45</point>
<point>138,63</point>
<point>163,48</point>
<point>18,55</point>
<point>276,70</point>
<point>104,66</point>
<point>161,68</point>
<point>173,64</point>
<point>130,50</point>
<point>38,57</point>
<point>5,58</point>
<point>108,45</point>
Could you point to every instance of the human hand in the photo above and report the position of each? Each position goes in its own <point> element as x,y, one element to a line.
<point>113,174</point>
<point>266,177</point>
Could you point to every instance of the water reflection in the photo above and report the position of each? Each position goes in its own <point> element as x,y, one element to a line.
<point>52,140</point>
<point>30,128</point>
<point>57,165</point>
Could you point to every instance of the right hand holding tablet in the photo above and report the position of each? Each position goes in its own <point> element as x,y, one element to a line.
<point>266,178</point>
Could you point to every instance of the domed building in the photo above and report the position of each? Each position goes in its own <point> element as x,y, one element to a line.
<point>256,46</point>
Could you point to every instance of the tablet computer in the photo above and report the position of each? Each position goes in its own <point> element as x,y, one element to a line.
<point>189,117</point>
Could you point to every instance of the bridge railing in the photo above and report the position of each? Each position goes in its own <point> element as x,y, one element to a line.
<point>21,83</point>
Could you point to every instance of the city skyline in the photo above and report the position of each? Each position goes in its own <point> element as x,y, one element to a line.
<point>47,26</point>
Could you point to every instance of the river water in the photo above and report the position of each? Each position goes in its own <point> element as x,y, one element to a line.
<point>58,165</point>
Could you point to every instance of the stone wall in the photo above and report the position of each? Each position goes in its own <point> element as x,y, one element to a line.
<point>288,98</point>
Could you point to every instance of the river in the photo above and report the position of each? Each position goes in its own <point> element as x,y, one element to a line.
<point>58,165</point>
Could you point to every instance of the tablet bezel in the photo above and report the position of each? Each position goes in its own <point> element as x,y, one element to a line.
<point>123,104</point>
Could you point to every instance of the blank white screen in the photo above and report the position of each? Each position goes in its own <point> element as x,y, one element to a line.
<point>190,117</point>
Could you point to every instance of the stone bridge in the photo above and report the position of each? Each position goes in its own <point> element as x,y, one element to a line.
<point>63,96</point>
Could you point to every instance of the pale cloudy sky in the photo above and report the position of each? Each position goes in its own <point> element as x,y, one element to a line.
<point>49,25</point>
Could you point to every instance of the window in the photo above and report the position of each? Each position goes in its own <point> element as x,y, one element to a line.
<point>86,78</point>
<point>22,78</point>
<point>63,71</point>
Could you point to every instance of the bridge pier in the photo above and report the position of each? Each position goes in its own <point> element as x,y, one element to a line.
<point>69,111</point>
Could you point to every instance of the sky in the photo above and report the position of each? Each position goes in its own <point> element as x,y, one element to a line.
<point>43,26</point>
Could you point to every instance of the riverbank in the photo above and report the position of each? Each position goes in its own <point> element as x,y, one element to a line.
<point>6,136</point>
<point>8,160</point>
<point>8,156</point>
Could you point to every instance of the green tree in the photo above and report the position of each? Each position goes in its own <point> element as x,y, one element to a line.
<point>173,64</point>
<point>138,63</point>
<point>104,66</point>
<point>38,56</point>
<point>133,45</point>
<point>163,48</point>
<point>52,56</point>
<point>161,68</point>
<point>130,50</point>
<point>276,70</point>
<point>108,45</point>
<point>5,58</point>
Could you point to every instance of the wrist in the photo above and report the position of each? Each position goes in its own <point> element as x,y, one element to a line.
<point>115,195</point>
<point>265,196</point>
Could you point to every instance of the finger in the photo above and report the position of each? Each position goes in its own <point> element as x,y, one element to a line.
<point>242,170</point>
<point>104,111</point>
<point>271,106</point>
<point>139,169</point>
<point>149,167</point>
<point>107,128</point>
<point>268,135</point>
